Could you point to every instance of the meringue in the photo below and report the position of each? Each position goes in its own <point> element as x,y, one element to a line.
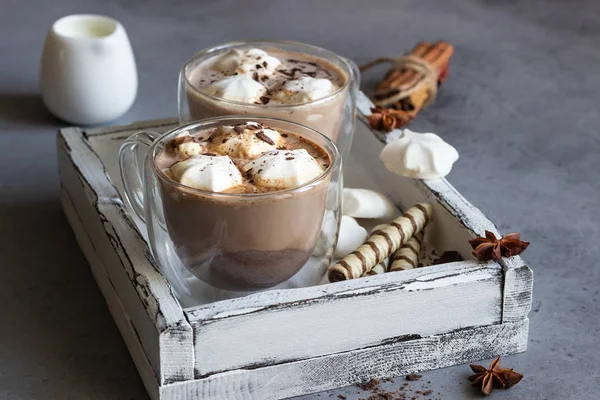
<point>237,88</point>
<point>304,89</point>
<point>283,169</point>
<point>213,173</point>
<point>243,141</point>
<point>419,156</point>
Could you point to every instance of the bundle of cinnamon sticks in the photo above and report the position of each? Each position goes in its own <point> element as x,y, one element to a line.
<point>410,85</point>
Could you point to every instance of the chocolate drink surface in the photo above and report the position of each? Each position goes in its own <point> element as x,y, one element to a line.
<point>259,231</point>
<point>271,82</point>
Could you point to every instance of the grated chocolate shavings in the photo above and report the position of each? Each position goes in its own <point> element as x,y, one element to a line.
<point>284,135</point>
<point>265,99</point>
<point>239,128</point>
<point>290,158</point>
<point>255,76</point>
<point>258,66</point>
<point>209,154</point>
<point>261,135</point>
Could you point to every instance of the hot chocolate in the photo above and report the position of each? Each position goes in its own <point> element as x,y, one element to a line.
<point>271,82</point>
<point>230,206</point>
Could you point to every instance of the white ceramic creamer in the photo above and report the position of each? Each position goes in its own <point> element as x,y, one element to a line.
<point>88,71</point>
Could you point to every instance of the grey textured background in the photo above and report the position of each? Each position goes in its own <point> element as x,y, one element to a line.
<point>520,105</point>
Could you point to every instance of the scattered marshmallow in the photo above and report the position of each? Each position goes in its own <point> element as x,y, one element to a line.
<point>351,236</point>
<point>364,203</point>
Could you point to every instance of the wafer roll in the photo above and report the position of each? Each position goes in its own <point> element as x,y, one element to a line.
<point>407,256</point>
<point>378,269</point>
<point>381,244</point>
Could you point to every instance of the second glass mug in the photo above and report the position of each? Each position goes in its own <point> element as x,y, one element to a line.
<point>333,115</point>
<point>211,245</point>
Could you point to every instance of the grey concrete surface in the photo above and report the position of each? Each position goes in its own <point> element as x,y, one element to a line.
<point>520,105</point>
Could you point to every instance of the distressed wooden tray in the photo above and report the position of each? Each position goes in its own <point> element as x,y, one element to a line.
<point>283,343</point>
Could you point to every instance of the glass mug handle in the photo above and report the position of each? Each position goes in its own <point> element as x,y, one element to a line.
<point>132,170</point>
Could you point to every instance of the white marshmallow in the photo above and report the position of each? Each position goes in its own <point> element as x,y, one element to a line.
<point>351,236</point>
<point>237,88</point>
<point>257,60</point>
<point>245,143</point>
<point>328,229</point>
<point>243,62</point>
<point>364,203</point>
<point>189,149</point>
<point>304,89</point>
<point>228,62</point>
<point>283,169</point>
<point>214,173</point>
<point>419,156</point>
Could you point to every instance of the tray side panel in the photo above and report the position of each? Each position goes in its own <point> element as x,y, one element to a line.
<point>147,298</point>
<point>518,292</point>
<point>123,322</point>
<point>342,369</point>
<point>455,296</point>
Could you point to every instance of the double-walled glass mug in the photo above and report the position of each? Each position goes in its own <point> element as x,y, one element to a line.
<point>333,115</point>
<point>213,245</point>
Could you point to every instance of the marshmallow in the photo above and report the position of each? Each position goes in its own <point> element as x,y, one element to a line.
<point>327,234</point>
<point>257,60</point>
<point>237,88</point>
<point>243,62</point>
<point>228,62</point>
<point>364,203</point>
<point>243,141</point>
<point>214,173</point>
<point>304,89</point>
<point>419,156</point>
<point>283,169</point>
<point>351,236</point>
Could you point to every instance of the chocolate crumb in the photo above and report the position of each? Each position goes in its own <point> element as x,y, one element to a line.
<point>284,135</point>
<point>290,158</point>
<point>263,78</point>
<point>413,377</point>
<point>448,257</point>
<point>265,64</point>
<point>209,154</point>
<point>369,385</point>
<point>224,140</point>
<point>261,135</point>
<point>239,128</point>
<point>281,148</point>
<point>258,66</point>
<point>264,99</point>
<point>255,76</point>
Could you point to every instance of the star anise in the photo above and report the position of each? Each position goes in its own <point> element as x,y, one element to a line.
<point>387,119</point>
<point>494,377</point>
<point>491,248</point>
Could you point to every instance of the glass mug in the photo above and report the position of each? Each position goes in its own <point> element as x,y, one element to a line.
<point>334,115</point>
<point>212,245</point>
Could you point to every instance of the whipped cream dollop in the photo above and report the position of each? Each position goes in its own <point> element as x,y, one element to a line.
<point>419,156</point>
<point>213,173</point>
<point>283,169</point>
<point>247,140</point>
<point>243,62</point>
<point>241,88</point>
<point>304,89</point>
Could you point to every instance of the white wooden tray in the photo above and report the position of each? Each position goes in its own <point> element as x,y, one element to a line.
<point>283,343</point>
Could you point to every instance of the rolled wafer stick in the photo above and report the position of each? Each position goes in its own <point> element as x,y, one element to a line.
<point>381,244</point>
<point>378,269</point>
<point>407,256</point>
